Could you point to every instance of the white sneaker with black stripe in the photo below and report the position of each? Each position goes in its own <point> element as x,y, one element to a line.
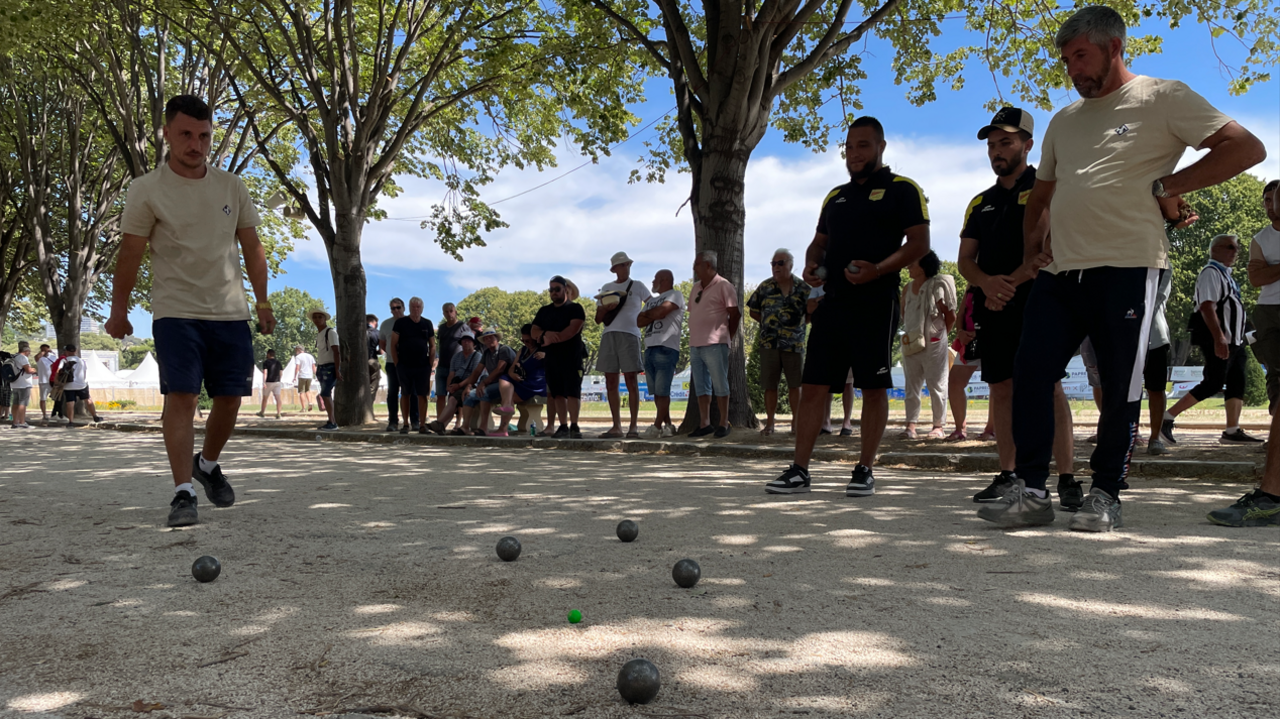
<point>862,484</point>
<point>793,481</point>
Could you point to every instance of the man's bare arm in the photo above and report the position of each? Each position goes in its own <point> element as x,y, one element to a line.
<point>128,260</point>
<point>255,264</point>
<point>1232,150</point>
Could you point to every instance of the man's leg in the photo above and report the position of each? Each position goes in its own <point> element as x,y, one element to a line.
<point>633,398</point>
<point>722,403</point>
<point>394,405</point>
<point>615,401</point>
<point>1155,406</point>
<point>936,379</point>
<point>69,411</point>
<point>807,417</point>
<point>1266,318</point>
<point>263,409</point>
<point>846,398</point>
<point>704,409</point>
<point>1064,439</point>
<point>913,372</point>
<point>574,404</point>
<point>1001,409</point>
<point>957,382</point>
<point>1211,382</point>
<point>875,417</point>
<point>1261,507</point>
<point>1234,407</point>
<point>770,378</point>
<point>219,426</point>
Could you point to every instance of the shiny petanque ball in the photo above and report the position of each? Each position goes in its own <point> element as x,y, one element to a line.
<point>639,682</point>
<point>206,569</point>
<point>686,573</point>
<point>508,549</point>
<point>575,616</point>
<point>628,530</point>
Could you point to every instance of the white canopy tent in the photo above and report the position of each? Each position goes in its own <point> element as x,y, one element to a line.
<point>97,374</point>
<point>147,374</point>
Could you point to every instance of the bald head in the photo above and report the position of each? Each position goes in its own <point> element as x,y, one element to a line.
<point>663,280</point>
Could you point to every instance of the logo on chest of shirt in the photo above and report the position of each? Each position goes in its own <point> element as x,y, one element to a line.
<point>1024,196</point>
<point>877,194</point>
<point>226,210</point>
<point>1122,129</point>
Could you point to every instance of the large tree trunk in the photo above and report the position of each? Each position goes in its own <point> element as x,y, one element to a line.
<point>354,402</point>
<point>719,218</point>
<point>66,325</point>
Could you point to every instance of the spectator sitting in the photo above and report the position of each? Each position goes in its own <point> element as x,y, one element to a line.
<point>526,379</point>
<point>494,361</point>
<point>461,398</point>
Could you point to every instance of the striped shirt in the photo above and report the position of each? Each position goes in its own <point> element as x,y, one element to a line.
<point>1216,285</point>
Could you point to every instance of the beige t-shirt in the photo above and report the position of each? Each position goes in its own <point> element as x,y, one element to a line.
<point>195,256</point>
<point>1104,153</point>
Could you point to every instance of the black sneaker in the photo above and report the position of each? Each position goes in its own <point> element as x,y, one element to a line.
<point>1238,437</point>
<point>862,484</point>
<point>793,481</point>
<point>561,432</point>
<point>215,484</point>
<point>722,432</point>
<point>1254,509</point>
<point>574,432</point>
<point>328,427</point>
<point>999,486</point>
<point>702,431</point>
<point>392,426</point>
<point>414,426</point>
<point>1166,432</point>
<point>1070,493</point>
<point>183,512</point>
<point>404,429</point>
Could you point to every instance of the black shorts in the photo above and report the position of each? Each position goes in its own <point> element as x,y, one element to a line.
<point>999,333</point>
<point>857,335</point>
<point>1155,376</point>
<point>415,381</point>
<point>75,395</point>
<point>564,376</point>
<point>218,354</point>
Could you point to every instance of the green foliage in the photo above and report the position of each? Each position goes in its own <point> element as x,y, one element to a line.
<point>133,354</point>
<point>1255,382</point>
<point>1233,207</point>
<point>293,327</point>
<point>99,341</point>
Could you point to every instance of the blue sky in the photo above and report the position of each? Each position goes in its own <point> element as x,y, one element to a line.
<point>573,225</point>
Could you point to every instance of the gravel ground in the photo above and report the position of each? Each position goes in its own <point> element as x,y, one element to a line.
<point>359,578</point>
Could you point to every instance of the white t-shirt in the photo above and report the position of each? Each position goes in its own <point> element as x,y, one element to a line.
<point>44,368</point>
<point>325,341</point>
<point>666,331</point>
<point>1103,154</point>
<point>195,255</point>
<point>1159,323</point>
<point>626,319</point>
<point>384,332</point>
<point>80,378</point>
<point>1266,246</point>
<point>20,363</point>
<point>305,365</point>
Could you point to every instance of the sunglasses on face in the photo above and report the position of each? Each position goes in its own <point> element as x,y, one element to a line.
<point>557,289</point>
<point>397,307</point>
<point>779,263</point>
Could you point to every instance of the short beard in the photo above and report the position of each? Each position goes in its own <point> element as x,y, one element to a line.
<point>1092,86</point>
<point>868,169</point>
<point>1006,170</point>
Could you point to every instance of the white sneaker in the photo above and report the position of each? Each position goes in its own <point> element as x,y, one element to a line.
<point>651,432</point>
<point>669,430</point>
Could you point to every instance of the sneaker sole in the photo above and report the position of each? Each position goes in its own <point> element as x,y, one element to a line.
<point>1003,524</point>
<point>184,522</point>
<point>786,490</point>
<point>990,500</point>
<point>204,483</point>
<point>1223,440</point>
<point>859,492</point>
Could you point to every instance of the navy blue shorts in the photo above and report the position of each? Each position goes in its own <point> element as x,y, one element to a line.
<point>327,376</point>
<point>218,354</point>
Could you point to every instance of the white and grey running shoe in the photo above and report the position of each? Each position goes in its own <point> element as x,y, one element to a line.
<point>1017,508</point>
<point>1100,513</point>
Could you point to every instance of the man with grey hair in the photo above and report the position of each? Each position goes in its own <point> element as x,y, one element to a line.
<point>778,304</point>
<point>412,349</point>
<point>619,357</point>
<point>662,319</point>
<point>1218,329</point>
<point>1106,176</point>
<point>713,324</point>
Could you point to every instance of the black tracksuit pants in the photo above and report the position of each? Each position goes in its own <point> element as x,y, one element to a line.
<point>1109,306</point>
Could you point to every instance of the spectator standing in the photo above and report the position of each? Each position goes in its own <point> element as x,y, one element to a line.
<point>1264,273</point>
<point>21,385</point>
<point>197,222</point>
<point>73,378</point>
<point>1217,327</point>
<point>450,330</point>
<point>328,364</point>
<point>928,314</point>
<point>557,328</point>
<point>412,349</point>
<point>461,399</point>
<point>6,392</point>
<point>662,319</point>
<point>44,361</point>
<point>393,377</point>
<point>778,305</point>
<point>271,384</point>
<point>966,362</point>
<point>495,360</point>
<point>619,307</point>
<point>868,230</point>
<point>304,370</point>
<point>374,341</point>
<point>1155,374</point>
<point>713,325</point>
<point>1096,243</point>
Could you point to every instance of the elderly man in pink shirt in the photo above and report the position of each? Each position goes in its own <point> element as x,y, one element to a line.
<point>713,323</point>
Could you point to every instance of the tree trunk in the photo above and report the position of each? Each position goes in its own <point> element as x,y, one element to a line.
<point>719,218</point>
<point>67,326</point>
<point>353,401</point>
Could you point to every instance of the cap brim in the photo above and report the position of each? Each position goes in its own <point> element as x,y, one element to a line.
<point>984,132</point>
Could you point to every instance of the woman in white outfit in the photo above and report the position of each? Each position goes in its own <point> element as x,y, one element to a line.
<point>928,314</point>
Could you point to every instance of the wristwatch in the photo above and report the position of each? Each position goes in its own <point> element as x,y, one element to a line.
<point>263,306</point>
<point>1157,189</point>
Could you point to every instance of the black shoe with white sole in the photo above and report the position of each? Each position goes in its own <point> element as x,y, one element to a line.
<point>999,486</point>
<point>793,481</point>
<point>1166,431</point>
<point>1238,437</point>
<point>1070,493</point>
<point>182,512</point>
<point>862,484</point>
<point>216,486</point>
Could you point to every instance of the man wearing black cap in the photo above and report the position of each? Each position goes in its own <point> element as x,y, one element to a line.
<point>991,251</point>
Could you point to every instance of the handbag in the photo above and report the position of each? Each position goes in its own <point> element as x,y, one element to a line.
<point>612,314</point>
<point>912,346</point>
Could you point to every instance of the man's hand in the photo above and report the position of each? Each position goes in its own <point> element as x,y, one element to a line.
<point>811,279</point>
<point>337,375</point>
<point>964,336</point>
<point>866,272</point>
<point>994,304</point>
<point>119,327</point>
<point>1221,348</point>
<point>550,338</point>
<point>1000,287</point>
<point>1177,210</point>
<point>266,320</point>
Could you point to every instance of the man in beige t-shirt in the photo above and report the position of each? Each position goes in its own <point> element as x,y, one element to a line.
<point>1106,177</point>
<point>196,220</point>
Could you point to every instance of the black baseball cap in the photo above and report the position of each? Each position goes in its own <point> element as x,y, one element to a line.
<point>1009,119</point>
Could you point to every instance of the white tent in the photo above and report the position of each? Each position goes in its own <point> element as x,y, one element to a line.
<point>257,381</point>
<point>97,374</point>
<point>147,375</point>
<point>286,375</point>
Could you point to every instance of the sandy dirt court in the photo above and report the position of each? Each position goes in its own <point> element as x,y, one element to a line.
<point>362,578</point>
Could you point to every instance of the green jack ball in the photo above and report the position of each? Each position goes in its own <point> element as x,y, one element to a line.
<point>575,616</point>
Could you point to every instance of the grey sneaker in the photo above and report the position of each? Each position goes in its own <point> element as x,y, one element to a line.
<point>1100,513</point>
<point>216,486</point>
<point>183,512</point>
<point>1157,446</point>
<point>1018,509</point>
